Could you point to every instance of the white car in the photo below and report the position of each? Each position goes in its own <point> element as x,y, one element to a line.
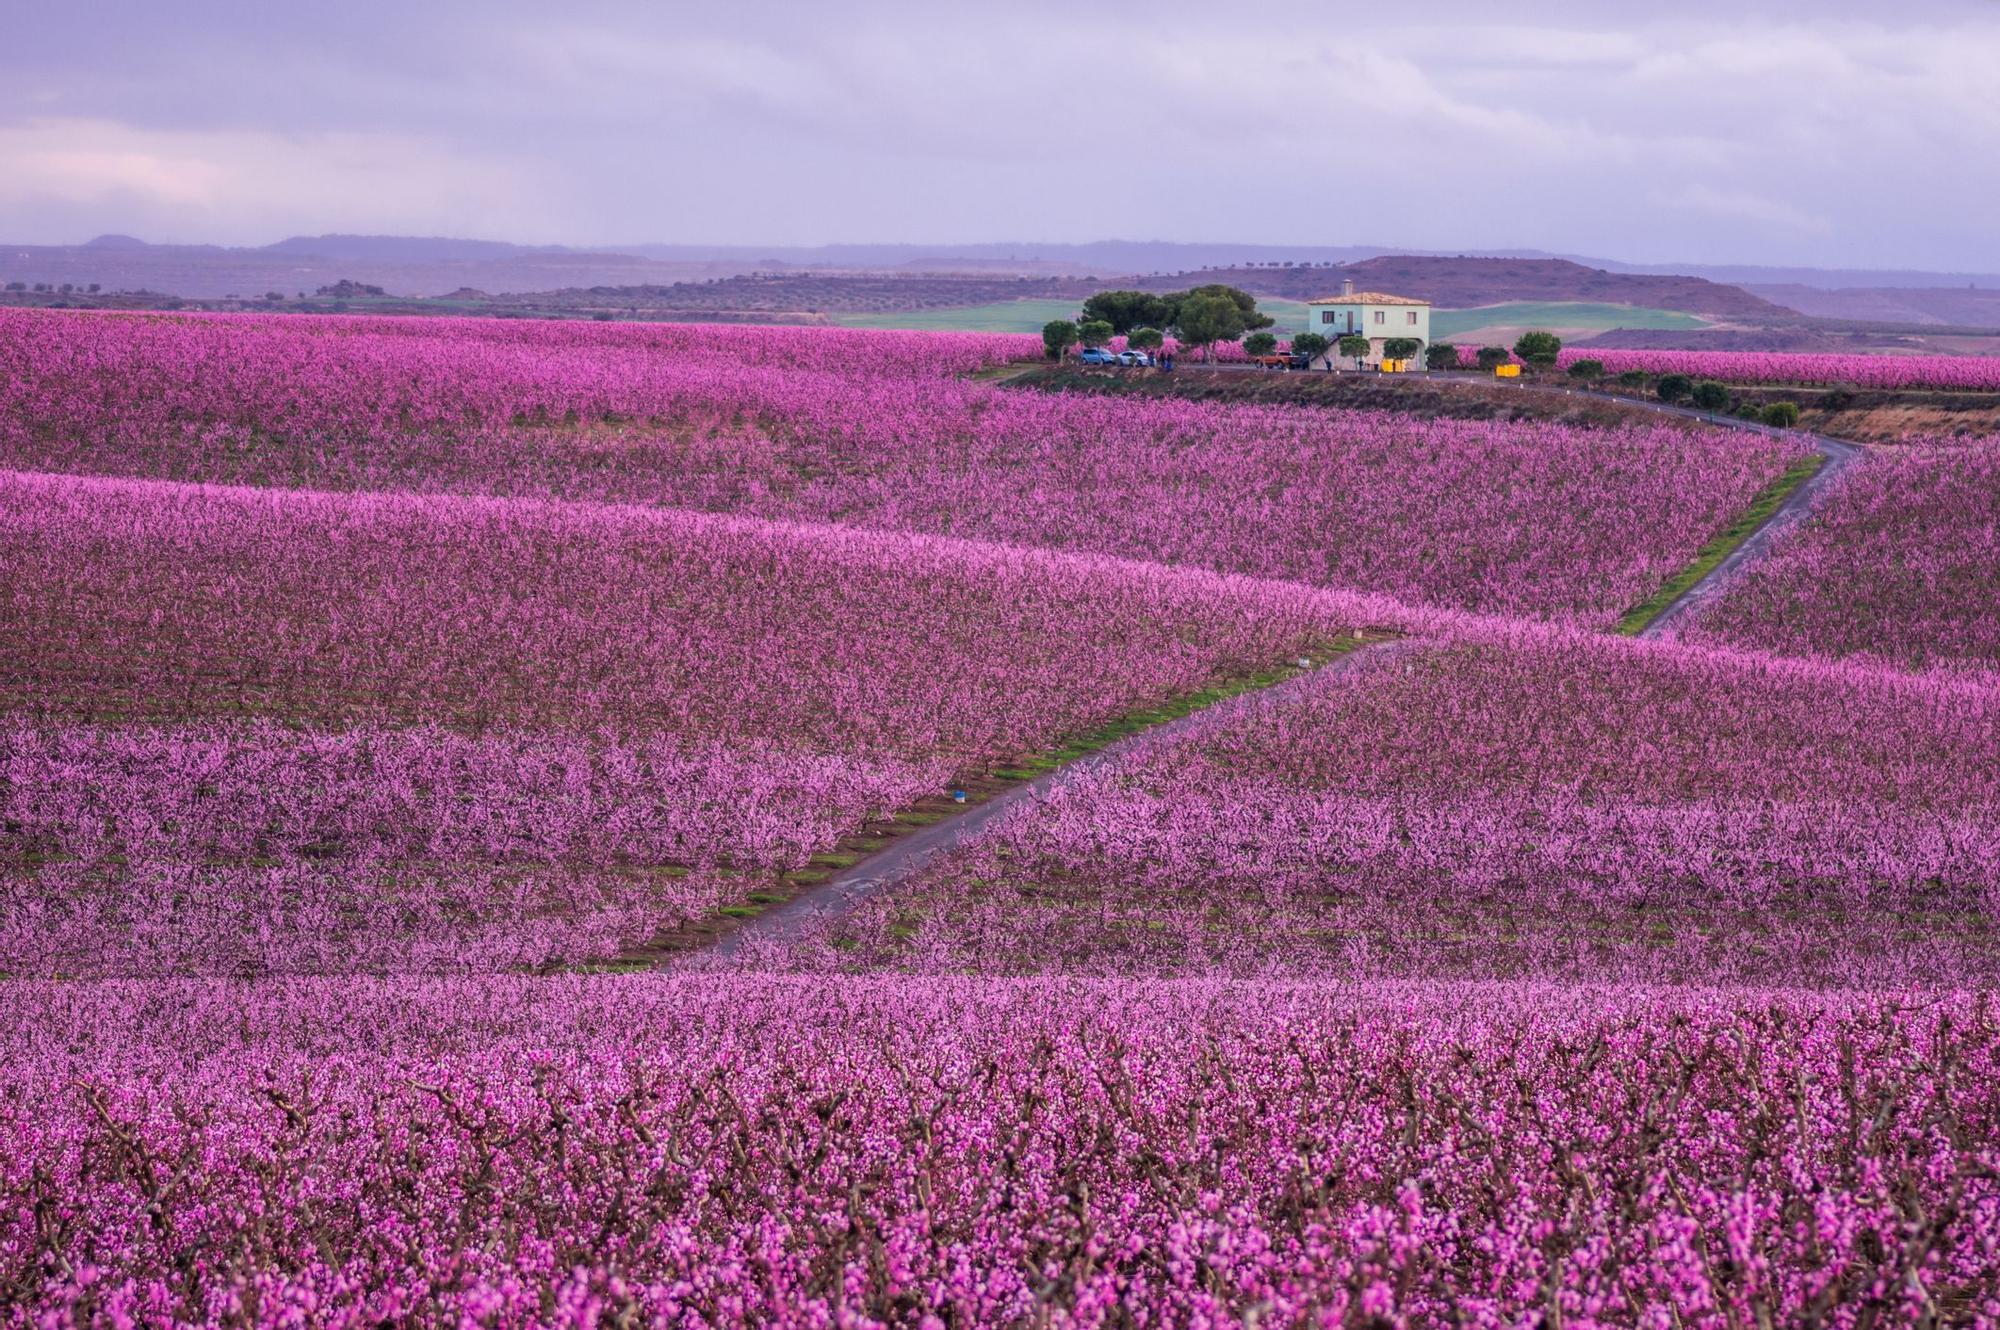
<point>1139,358</point>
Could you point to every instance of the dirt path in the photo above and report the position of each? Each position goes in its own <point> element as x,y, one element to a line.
<point>905,858</point>
<point>1715,583</point>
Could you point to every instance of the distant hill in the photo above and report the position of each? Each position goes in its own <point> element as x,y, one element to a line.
<point>114,241</point>
<point>1940,305</point>
<point>419,266</point>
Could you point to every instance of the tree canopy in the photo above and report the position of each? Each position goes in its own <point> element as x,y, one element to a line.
<point>1126,310</point>
<point>1202,320</point>
<point>1058,335</point>
<point>1539,349</point>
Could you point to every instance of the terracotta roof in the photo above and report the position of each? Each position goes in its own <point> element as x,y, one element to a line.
<point>1367,298</point>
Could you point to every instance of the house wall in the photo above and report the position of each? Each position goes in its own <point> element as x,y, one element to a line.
<point>1360,319</point>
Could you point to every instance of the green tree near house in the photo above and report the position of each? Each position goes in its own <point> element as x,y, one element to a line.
<point>1539,349</point>
<point>1355,347</point>
<point>1440,355</point>
<point>1202,320</point>
<point>1058,336</point>
<point>1094,332</point>
<point>1401,348</point>
<point>1310,345</point>
<point>1246,304</point>
<point>1260,343</point>
<point>1492,357</point>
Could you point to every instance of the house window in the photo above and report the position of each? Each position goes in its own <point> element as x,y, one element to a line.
<point>1381,316</point>
<point>1326,316</point>
<point>1413,318</point>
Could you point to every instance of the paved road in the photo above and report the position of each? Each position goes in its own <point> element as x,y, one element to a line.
<point>904,858</point>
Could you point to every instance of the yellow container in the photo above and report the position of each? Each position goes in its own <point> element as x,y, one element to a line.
<point>1506,371</point>
<point>1394,366</point>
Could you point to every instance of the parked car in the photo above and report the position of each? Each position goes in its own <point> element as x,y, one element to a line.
<point>1276,360</point>
<point>1139,358</point>
<point>1097,355</point>
<point>1298,360</point>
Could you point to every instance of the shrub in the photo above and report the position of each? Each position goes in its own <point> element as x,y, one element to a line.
<point>1710,395</point>
<point>1492,357</point>
<point>1539,349</point>
<point>1782,415</point>
<point>1440,355</point>
<point>1260,344</point>
<point>1632,378</point>
<point>1587,370</point>
<point>1674,388</point>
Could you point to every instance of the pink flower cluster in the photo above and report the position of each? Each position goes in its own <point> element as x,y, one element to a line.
<point>1900,564</point>
<point>1946,373</point>
<point>725,1152</point>
<point>1523,803</point>
<point>865,430</point>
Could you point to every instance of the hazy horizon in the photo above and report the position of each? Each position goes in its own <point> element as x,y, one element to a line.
<point>1733,135</point>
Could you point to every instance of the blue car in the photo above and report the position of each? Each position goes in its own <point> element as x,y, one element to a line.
<point>1097,355</point>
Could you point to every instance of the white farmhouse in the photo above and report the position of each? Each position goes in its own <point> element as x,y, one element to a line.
<point>1368,314</point>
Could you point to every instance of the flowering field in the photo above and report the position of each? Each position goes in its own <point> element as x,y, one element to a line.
<point>871,429</point>
<point>1524,804</point>
<point>363,680</point>
<point>280,731</point>
<point>1900,564</point>
<point>1944,373</point>
<point>919,1152</point>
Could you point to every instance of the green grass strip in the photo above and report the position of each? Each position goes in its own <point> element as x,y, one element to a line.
<point>1767,502</point>
<point>1138,721</point>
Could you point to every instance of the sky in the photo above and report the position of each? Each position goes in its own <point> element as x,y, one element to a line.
<point>1829,134</point>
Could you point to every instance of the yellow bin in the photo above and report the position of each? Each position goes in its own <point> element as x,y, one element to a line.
<point>1506,371</point>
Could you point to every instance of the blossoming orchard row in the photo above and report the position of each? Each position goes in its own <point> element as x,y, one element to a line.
<point>873,430</point>
<point>1514,803</point>
<point>719,1151</point>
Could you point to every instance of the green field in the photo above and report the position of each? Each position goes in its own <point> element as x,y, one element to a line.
<point>1025,316</point>
<point>1557,316</point>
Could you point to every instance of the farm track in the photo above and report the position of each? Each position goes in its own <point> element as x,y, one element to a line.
<point>902,859</point>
